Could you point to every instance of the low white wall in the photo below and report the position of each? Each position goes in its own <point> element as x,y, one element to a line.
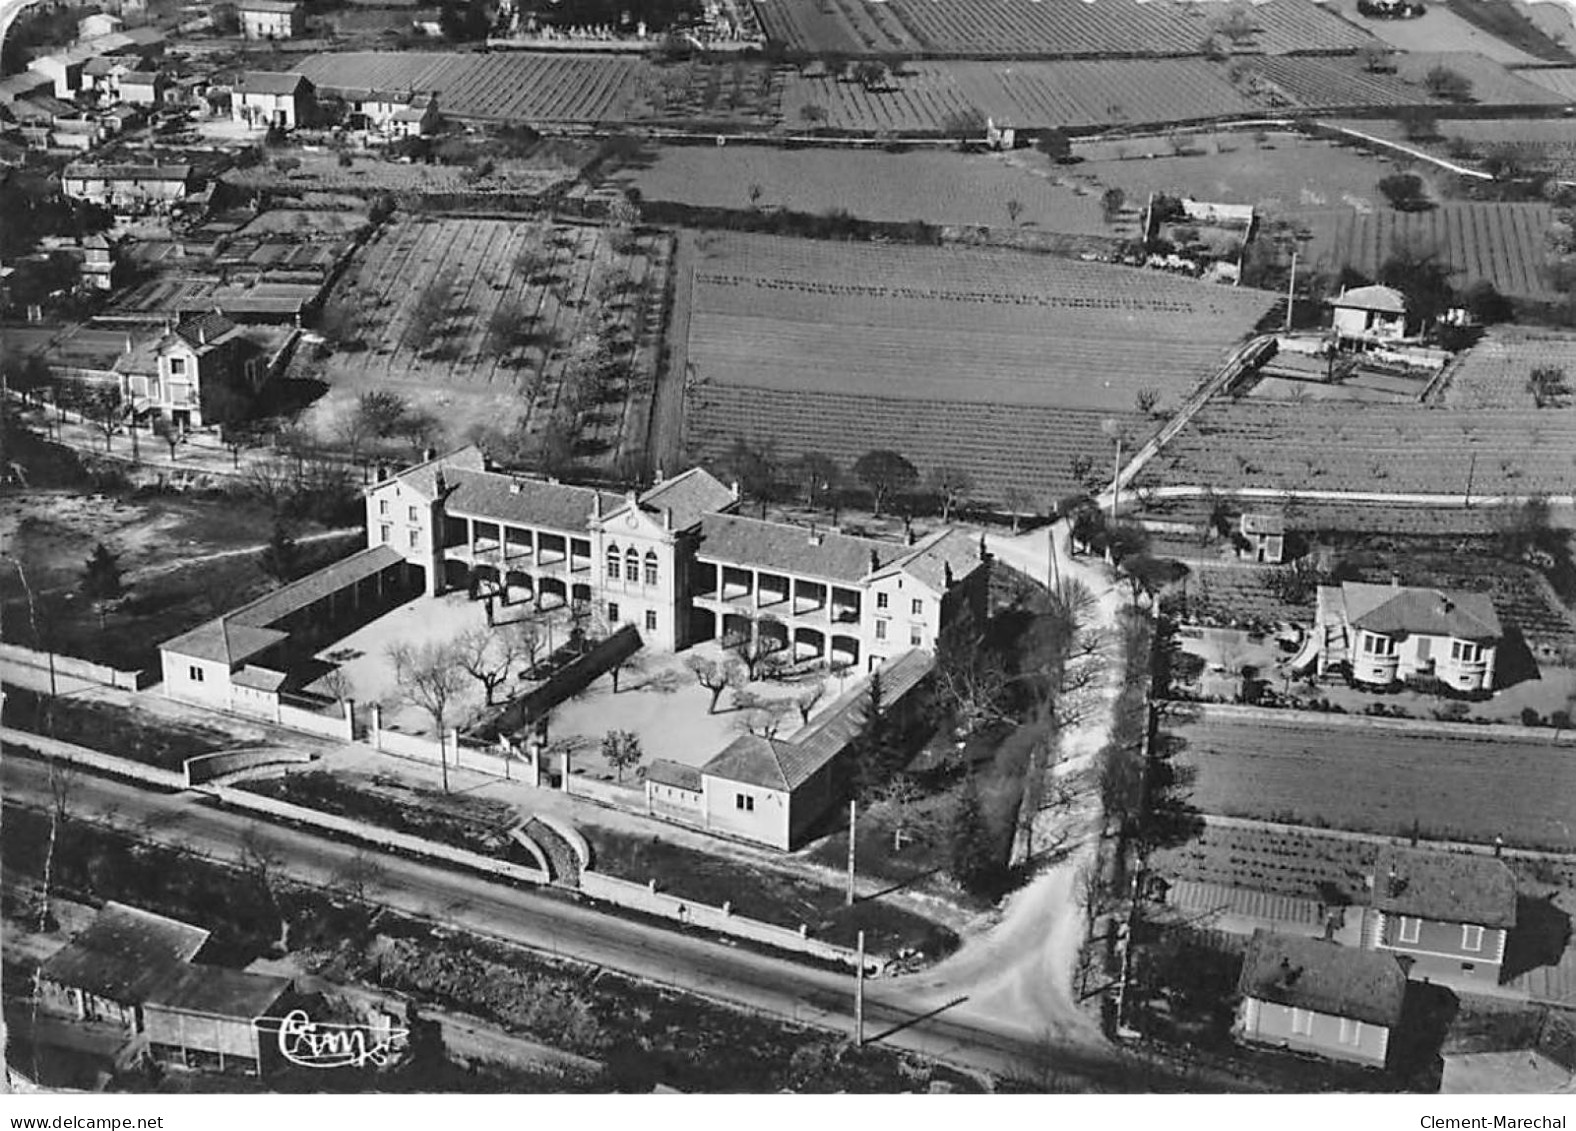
<point>329,726</point>
<point>75,667</point>
<point>206,767</point>
<point>619,797</point>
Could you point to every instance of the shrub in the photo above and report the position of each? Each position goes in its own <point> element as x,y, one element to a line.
<point>1531,718</point>
<point>1442,82</point>
<point>1404,191</point>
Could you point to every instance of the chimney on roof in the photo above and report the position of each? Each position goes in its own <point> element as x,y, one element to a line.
<point>984,553</point>
<point>441,483</point>
<point>667,518</point>
<point>816,537</point>
<point>660,477</point>
<point>429,454</point>
<point>875,560</point>
<point>596,504</point>
<point>908,535</point>
<point>630,498</point>
<point>734,488</point>
<point>946,574</point>
<point>202,334</point>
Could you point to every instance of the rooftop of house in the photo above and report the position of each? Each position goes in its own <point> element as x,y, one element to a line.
<point>786,764</point>
<point>17,86</point>
<point>1446,887</point>
<point>1263,524</point>
<point>203,332</point>
<point>783,548</point>
<point>689,496</point>
<point>89,171</point>
<point>124,953</point>
<point>271,82</point>
<point>1397,610</point>
<point>245,632</point>
<point>940,560</point>
<point>267,6</point>
<point>523,501</point>
<point>218,992</point>
<point>141,78</point>
<point>1323,976</point>
<point>1385,300</point>
<point>665,771</point>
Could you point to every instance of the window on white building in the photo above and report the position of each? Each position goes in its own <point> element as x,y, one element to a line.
<point>631,565</point>
<point>651,567</point>
<point>881,600</point>
<point>385,532</point>
<point>1351,1031</point>
<point>651,620</point>
<point>194,673</point>
<point>914,637</point>
<point>1378,645</point>
<point>178,365</point>
<point>1466,652</point>
<point>1409,929</point>
<point>917,607</point>
<point>613,558</point>
<point>881,629</point>
<point>612,612</point>
<point>1301,1021</point>
<point>415,515</point>
<point>415,538</point>
<point>383,506</point>
<point>744,801</point>
<point>1471,937</point>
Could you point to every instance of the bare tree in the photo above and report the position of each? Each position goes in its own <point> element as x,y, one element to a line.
<point>894,805</point>
<point>430,678</point>
<point>761,716</point>
<point>337,683</point>
<point>621,749</point>
<point>104,409</point>
<point>359,876</point>
<point>632,664</point>
<point>716,676</point>
<point>808,697</point>
<point>1018,502</point>
<point>263,862</point>
<point>529,639</point>
<point>757,649</point>
<point>951,486</point>
<point>487,657</point>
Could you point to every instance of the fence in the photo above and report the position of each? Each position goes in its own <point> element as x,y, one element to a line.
<point>75,668</point>
<point>569,680</point>
<point>207,767</point>
<point>605,792</point>
<point>644,898</point>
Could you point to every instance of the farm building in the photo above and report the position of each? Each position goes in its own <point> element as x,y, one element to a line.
<point>769,790</point>
<point>270,100</point>
<point>1391,633</point>
<point>143,88</point>
<point>269,19</point>
<point>63,69</point>
<point>1316,996</point>
<point>1369,315</point>
<point>397,114</point>
<point>206,1016</point>
<point>99,23</point>
<point>128,186</point>
<point>674,561</point>
<point>1447,915</point>
<point>109,970</point>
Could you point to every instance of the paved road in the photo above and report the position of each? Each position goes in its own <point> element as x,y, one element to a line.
<point>551,923</point>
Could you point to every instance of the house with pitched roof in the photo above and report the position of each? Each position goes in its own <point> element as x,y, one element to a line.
<point>1316,996</point>
<point>108,970</point>
<point>128,186</point>
<point>211,1017</point>
<point>1390,633</point>
<point>1369,315</point>
<point>1447,915</point>
<point>208,371</point>
<point>269,19</point>
<point>270,99</point>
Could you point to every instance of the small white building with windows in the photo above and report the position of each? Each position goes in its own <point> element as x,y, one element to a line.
<point>1390,633</point>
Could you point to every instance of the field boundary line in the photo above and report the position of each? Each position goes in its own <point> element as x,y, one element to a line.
<point>1286,494</point>
<point>1467,732</point>
<point>1251,823</point>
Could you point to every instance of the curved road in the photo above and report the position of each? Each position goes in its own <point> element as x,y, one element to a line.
<point>553,923</point>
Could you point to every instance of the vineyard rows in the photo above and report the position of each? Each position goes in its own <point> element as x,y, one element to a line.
<point>1047,28</point>
<point>484,263</point>
<point>1004,448</point>
<point>1500,243</point>
<point>1493,373</point>
<point>1333,83</point>
<point>1078,93</point>
<point>1381,781</point>
<point>1398,449</point>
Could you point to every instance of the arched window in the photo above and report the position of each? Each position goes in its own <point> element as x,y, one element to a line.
<point>631,565</point>
<point>612,563</point>
<point>651,567</point>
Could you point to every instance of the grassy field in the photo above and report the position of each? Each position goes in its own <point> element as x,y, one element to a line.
<point>1538,142</point>
<point>1363,779</point>
<point>1022,28</point>
<point>1438,29</point>
<point>552,274</point>
<point>110,729</point>
<point>1499,243</point>
<point>1372,447</point>
<point>938,187</point>
<point>1494,373</point>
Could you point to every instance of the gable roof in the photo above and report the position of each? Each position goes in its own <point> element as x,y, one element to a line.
<point>1386,300</point>
<point>267,6</point>
<point>779,547</point>
<point>87,171</point>
<point>1323,976</point>
<point>665,771</point>
<point>930,561</point>
<point>124,953</point>
<point>423,477</point>
<point>786,764</point>
<point>204,331</point>
<point>523,501</point>
<point>689,496</point>
<point>271,82</point>
<point>1263,523</point>
<point>1405,610</point>
<point>216,991</point>
<point>1448,887</point>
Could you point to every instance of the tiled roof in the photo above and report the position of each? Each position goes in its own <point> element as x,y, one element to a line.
<point>1447,887</point>
<point>522,501</point>
<point>689,496</point>
<point>263,679</point>
<point>665,771</point>
<point>1386,300</point>
<point>266,6</point>
<point>930,561</point>
<point>782,548</point>
<point>204,331</point>
<point>270,82</point>
<point>216,991</point>
<point>423,477</point>
<point>223,641</point>
<point>1324,976</point>
<point>125,953</point>
<point>1263,524</point>
<point>82,170</point>
<point>1423,612</point>
<point>786,764</point>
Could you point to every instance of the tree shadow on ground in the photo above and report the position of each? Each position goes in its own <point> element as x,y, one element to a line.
<point>1541,934</point>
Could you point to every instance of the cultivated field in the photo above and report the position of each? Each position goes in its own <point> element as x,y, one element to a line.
<point>1493,373</point>
<point>1335,82</point>
<point>1059,28</point>
<point>1492,84</point>
<point>553,276</point>
<point>556,163</point>
<point>1500,243</point>
<point>1307,865</point>
<point>927,96</point>
<point>1538,142</point>
<point>1309,772</point>
<point>942,188</point>
<point>1561,80</point>
<point>1372,448</point>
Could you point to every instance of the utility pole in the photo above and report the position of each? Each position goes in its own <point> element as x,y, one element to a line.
<point>853,812</point>
<point>1116,477</point>
<point>859,996</point>
<point>1471,471</point>
<point>1291,291</point>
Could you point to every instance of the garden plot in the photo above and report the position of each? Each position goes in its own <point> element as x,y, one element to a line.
<point>1496,372</point>
<point>427,298</point>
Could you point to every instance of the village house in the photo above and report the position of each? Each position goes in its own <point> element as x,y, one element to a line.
<point>63,69</point>
<point>1391,633</point>
<point>1447,915</point>
<point>204,371</point>
<point>214,1018</point>
<point>99,23</point>
<point>1263,538</point>
<point>1369,315</point>
<point>128,186</point>
<point>108,970</point>
<point>395,114</point>
<point>273,100</point>
<point>1315,996</point>
<point>269,19</point>
<point>98,263</point>
<point>143,88</point>
<point>102,75</point>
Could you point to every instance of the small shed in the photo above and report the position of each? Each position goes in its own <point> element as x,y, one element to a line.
<point>208,1016</point>
<point>1369,314</point>
<point>1265,535</point>
<point>110,969</point>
